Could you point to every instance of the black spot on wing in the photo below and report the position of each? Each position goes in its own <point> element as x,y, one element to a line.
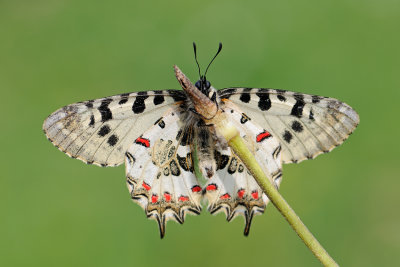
<point>177,95</point>
<point>311,116</point>
<point>104,130</point>
<point>245,97</point>
<point>138,105</point>
<point>316,99</point>
<point>124,99</point>
<point>171,150</point>
<point>240,168</point>
<point>297,109</point>
<point>174,168</point>
<point>112,140</point>
<point>297,127</point>
<point>186,137</point>
<point>287,136</point>
<point>281,95</point>
<point>89,104</point>
<point>182,162</point>
<point>158,99</point>
<point>281,98</point>
<point>220,160</point>
<point>160,123</point>
<point>264,103</point>
<point>232,166</point>
<point>91,123</point>
<point>105,112</point>
<point>298,96</point>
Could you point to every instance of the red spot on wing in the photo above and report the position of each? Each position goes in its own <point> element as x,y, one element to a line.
<point>260,137</point>
<point>143,141</point>
<point>240,193</point>
<point>211,187</point>
<point>196,188</point>
<point>225,196</point>
<point>183,198</point>
<point>146,186</point>
<point>254,194</point>
<point>154,198</point>
<point>167,197</point>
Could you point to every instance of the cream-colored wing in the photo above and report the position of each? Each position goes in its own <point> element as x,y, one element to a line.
<point>231,188</point>
<point>100,131</point>
<point>305,125</point>
<point>159,170</point>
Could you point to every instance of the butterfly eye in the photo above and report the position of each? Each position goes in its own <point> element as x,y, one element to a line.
<point>208,85</point>
<point>198,84</point>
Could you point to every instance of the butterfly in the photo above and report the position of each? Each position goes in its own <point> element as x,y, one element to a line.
<point>158,134</point>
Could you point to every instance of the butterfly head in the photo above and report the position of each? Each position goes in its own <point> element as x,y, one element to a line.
<point>202,84</point>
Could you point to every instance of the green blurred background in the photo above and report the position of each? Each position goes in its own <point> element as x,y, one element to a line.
<point>56,211</point>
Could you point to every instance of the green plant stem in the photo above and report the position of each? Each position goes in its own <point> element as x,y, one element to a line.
<point>240,148</point>
<point>231,134</point>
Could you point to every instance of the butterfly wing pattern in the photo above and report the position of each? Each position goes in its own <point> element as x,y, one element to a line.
<point>100,131</point>
<point>305,125</point>
<point>159,169</point>
<point>232,189</point>
<point>157,133</point>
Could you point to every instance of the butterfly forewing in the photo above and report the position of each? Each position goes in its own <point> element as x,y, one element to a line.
<point>305,125</point>
<point>100,131</point>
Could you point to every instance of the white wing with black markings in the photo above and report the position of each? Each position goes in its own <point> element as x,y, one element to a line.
<point>231,188</point>
<point>100,131</point>
<point>306,125</point>
<point>160,171</point>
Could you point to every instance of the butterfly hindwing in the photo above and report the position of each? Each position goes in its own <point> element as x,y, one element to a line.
<point>305,125</point>
<point>100,131</point>
<point>159,170</point>
<point>232,189</point>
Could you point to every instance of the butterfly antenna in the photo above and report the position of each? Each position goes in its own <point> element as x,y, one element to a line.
<point>195,57</point>
<point>219,50</point>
